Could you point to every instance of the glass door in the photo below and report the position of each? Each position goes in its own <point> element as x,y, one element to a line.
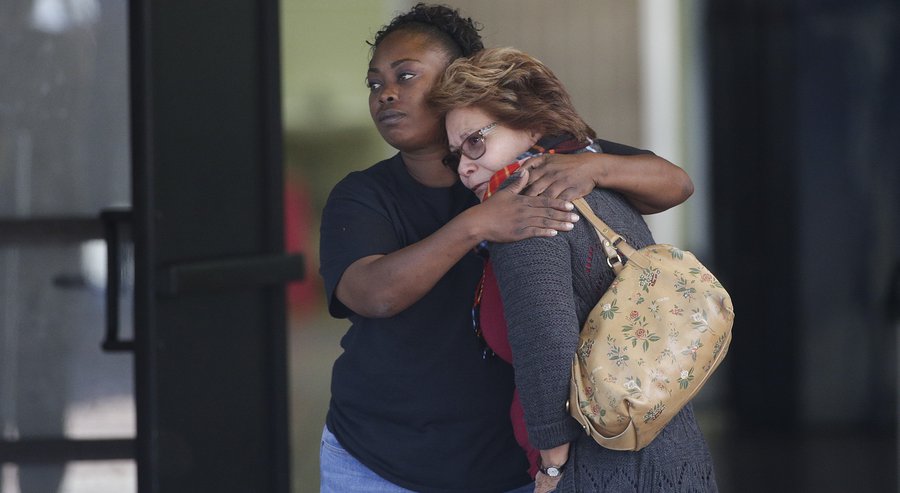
<point>67,406</point>
<point>142,265</point>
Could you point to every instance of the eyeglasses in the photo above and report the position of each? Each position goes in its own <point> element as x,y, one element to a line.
<point>472,147</point>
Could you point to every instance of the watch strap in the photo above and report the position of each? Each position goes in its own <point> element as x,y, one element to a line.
<point>552,471</point>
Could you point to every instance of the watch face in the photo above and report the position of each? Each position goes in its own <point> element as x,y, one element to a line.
<point>553,472</point>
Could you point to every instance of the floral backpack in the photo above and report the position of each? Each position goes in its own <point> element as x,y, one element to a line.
<point>650,343</point>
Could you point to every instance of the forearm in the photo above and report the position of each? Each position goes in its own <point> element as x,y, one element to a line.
<point>650,183</point>
<point>406,275</point>
<point>555,456</point>
<point>535,282</point>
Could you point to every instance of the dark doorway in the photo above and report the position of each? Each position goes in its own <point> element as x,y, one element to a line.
<point>805,126</point>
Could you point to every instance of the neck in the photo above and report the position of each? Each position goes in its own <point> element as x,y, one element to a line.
<point>427,168</point>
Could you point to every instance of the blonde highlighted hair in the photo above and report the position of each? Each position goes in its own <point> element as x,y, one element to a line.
<point>516,89</point>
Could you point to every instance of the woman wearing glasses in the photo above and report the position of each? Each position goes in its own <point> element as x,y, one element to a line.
<point>414,405</point>
<point>503,106</point>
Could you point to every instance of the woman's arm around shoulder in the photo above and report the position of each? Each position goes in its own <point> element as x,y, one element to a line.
<point>404,276</point>
<point>650,183</point>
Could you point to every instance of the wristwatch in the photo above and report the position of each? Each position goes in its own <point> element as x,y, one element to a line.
<point>552,471</point>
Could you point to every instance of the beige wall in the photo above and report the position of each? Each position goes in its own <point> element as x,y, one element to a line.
<point>591,45</point>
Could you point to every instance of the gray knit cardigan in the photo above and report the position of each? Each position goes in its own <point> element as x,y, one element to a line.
<point>548,287</point>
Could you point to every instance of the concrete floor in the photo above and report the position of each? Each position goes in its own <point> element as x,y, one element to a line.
<point>314,345</point>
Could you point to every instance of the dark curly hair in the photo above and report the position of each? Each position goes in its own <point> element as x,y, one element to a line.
<point>458,34</point>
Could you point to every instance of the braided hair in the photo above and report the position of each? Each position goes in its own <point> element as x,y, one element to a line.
<point>458,35</point>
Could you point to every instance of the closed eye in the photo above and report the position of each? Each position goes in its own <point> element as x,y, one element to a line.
<point>475,139</point>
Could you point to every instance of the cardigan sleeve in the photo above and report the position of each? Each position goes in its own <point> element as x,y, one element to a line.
<point>535,279</point>
<point>546,301</point>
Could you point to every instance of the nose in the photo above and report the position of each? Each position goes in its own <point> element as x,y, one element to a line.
<point>466,166</point>
<point>388,94</point>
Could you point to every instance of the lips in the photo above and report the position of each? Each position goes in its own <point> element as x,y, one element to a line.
<point>479,189</point>
<point>389,117</point>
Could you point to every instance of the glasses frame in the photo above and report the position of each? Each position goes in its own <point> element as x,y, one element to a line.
<point>451,160</point>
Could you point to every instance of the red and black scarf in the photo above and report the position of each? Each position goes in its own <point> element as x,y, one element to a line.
<point>561,144</point>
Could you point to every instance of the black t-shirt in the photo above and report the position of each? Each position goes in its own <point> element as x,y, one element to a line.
<point>411,396</point>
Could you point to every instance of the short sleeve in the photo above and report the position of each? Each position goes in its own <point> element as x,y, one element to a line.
<point>619,149</point>
<point>355,224</point>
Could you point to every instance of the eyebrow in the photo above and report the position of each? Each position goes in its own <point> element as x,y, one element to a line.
<point>395,63</point>
<point>467,133</point>
<point>462,138</point>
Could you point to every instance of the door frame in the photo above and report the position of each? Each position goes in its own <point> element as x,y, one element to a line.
<point>204,160</point>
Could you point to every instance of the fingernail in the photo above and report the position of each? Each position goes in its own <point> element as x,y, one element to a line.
<point>569,225</point>
<point>569,206</point>
<point>574,218</point>
<point>553,232</point>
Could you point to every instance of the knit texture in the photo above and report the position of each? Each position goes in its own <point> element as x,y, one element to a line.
<point>548,287</point>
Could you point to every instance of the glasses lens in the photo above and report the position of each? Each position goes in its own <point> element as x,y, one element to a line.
<point>474,146</point>
<point>452,160</point>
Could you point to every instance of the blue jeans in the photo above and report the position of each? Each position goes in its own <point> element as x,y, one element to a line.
<point>342,473</point>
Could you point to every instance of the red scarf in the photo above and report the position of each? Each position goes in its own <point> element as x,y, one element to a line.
<point>499,177</point>
<point>548,145</point>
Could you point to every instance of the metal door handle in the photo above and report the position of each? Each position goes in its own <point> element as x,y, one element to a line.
<point>112,220</point>
<point>893,295</point>
<point>240,272</point>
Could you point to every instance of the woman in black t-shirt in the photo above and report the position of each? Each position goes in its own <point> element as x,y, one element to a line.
<point>414,404</point>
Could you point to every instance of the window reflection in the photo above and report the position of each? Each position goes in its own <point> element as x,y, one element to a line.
<point>56,16</point>
<point>64,156</point>
<point>64,142</point>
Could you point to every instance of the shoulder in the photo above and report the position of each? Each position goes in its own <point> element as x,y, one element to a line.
<point>616,148</point>
<point>524,255</point>
<point>620,215</point>
<point>605,202</point>
<point>373,178</point>
<point>372,188</point>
